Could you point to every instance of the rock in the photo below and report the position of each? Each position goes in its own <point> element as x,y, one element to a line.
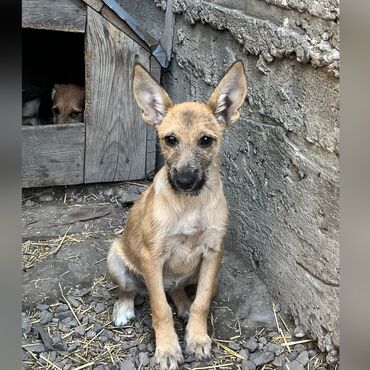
<point>262,340</point>
<point>45,317</point>
<point>143,359</point>
<point>302,358</point>
<point>47,197</point>
<point>272,335</point>
<point>108,192</point>
<point>299,348</point>
<point>28,203</point>
<point>150,347</point>
<point>26,323</point>
<point>100,307</point>
<point>62,307</point>
<point>276,348</point>
<point>279,361</point>
<point>295,365</point>
<point>73,301</point>
<point>127,198</point>
<point>298,332</point>
<point>127,365</point>
<point>234,346</point>
<point>292,356</point>
<point>72,347</point>
<point>261,358</point>
<point>67,320</point>
<point>98,327</point>
<point>36,347</point>
<point>244,354</point>
<point>80,330</point>
<point>251,345</point>
<point>142,347</point>
<point>90,334</point>
<point>42,307</point>
<point>248,365</point>
<point>332,357</point>
<point>60,346</point>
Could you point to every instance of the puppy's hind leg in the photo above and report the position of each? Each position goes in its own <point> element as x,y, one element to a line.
<point>128,283</point>
<point>181,301</point>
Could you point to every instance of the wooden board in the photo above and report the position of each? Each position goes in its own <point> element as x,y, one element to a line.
<point>53,154</point>
<point>58,15</point>
<point>95,4</point>
<point>115,132</point>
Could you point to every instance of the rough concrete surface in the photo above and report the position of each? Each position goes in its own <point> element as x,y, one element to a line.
<point>280,161</point>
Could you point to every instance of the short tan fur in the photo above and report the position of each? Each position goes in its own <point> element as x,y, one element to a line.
<point>175,230</point>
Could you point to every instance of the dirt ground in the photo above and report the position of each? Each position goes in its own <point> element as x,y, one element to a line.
<point>68,299</point>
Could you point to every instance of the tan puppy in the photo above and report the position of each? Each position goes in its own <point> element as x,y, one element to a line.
<point>68,103</point>
<point>175,231</point>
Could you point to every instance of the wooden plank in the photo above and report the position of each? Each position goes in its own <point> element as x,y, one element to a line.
<point>151,146</point>
<point>115,131</point>
<point>109,15</point>
<point>58,15</point>
<point>95,4</point>
<point>53,154</point>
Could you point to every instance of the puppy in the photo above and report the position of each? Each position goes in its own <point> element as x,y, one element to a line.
<point>68,103</point>
<point>175,230</point>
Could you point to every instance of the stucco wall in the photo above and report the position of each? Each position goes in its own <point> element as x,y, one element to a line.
<point>280,161</point>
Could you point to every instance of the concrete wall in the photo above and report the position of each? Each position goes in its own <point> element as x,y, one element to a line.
<point>280,161</point>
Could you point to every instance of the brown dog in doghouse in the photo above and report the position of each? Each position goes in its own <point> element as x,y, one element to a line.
<point>175,230</point>
<point>68,103</point>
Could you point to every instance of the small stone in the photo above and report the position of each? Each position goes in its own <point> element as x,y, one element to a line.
<point>311,353</point>
<point>127,365</point>
<point>298,332</point>
<point>108,333</point>
<point>98,327</point>
<point>108,192</point>
<point>251,345</point>
<point>292,356</point>
<point>272,335</point>
<point>276,348</point>
<point>55,319</point>
<point>73,301</point>
<point>248,365</point>
<point>142,347</point>
<point>295,365</point>
<point>260,346</point>
<point>62,307</point>
<point>48,197</point>
<point>62,315</point>
<point>302,358</point>
<point>244,354</point>
<point>72,347</point>
<point>36,347</point>
<point>332,357</point>
<point>80,330</point>
<point>150,347</point>
<point>279,360</point>
<point>144,359</point>
<point>67,320</point>
<point>52,356</point>
<point>262,358</point>
<point>99,307</point>
<point>28,203</point>
<point>26,323</point>
<point>67,367</point>
<point>45,317</point>
<point>103,338</point>
<point>90,334</point>
<point>234,346</point>
<point>262,340</point>
<point>42,307</point>
<point>299,348</point>
<point>60,346</point>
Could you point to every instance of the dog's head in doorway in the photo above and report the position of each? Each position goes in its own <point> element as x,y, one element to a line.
<point>68,103</point>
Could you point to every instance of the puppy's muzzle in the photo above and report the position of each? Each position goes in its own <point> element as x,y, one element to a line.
<point>186,179</point>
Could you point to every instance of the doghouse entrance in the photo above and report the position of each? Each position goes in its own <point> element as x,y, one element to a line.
<point>113,143</point>
<point>48,58</point>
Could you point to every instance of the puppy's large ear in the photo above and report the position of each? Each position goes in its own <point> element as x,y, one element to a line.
<point>150,96</point>
<point>229,95</point>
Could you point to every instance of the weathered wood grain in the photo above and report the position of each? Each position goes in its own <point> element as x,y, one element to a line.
<point>151,146</point>
<point>115,133</point>
<point>53,155</point>
<point>95,4</point>
<point>109,15</point>
<point>58,15</point>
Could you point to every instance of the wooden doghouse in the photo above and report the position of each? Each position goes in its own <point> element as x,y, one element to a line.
<point>113,143</point>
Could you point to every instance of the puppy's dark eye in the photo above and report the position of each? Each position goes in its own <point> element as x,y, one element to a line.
<point>74,114</point>
<point>55,110</point>
<point>205,141</point>
<point>171,140</point>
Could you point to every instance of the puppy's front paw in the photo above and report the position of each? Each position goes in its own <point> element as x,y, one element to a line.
<point>199,346</point>
<point>123,312</point>
<point>168,357</point>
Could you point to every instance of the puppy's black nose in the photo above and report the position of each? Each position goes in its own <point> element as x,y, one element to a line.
<point>185,178</point>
